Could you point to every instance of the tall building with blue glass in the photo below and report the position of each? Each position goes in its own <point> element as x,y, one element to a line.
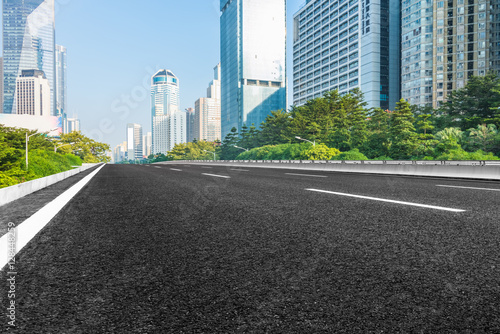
<point>168,123</point>
<point>253,61</point>
<point>61,84</point>
<point>28,44</point>
<point>346,44</point>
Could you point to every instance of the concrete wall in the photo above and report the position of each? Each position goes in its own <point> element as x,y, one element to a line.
<point>12,193</point>
<point>483,170</point>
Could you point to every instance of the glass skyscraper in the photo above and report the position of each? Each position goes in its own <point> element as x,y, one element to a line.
<point>346,44</point>
<point>28,44</point>
<point>168,122</point>
<point>253,61</point>
<point>61,81</point>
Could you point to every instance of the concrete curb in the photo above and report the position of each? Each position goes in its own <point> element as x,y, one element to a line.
<point>17,191</point>
<point>476,171</point>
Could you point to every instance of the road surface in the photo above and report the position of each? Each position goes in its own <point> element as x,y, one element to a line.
<point>200,249</point>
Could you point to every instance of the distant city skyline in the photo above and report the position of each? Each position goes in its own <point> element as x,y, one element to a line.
<point>108,82</point>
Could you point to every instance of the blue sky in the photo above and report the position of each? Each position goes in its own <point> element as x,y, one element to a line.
<point>115,46</point>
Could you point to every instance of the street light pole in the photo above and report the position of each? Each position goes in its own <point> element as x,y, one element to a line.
<point>241,148</point>
<point>314,143</point>
<point>210,152</point>
<point>56,147</point>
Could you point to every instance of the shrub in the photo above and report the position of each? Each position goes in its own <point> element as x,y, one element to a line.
<point>460,154</point>
<point>384,158</point>
<point>354,154</point>
<point>320,152</point>
<point>302,151</point>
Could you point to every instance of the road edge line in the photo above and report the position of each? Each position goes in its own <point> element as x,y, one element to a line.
<point>28,229</point>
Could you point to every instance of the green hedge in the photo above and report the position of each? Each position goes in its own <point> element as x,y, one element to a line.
<point>41,163</point>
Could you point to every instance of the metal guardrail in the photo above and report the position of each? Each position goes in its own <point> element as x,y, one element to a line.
<point>363,162</point>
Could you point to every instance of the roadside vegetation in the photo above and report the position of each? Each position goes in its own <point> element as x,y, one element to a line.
<point>341,127</point>
<point>72,150</point>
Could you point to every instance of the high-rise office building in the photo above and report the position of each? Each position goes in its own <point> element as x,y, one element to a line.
<point>208,112</point>
<point>71,124</point>
<point>146,144</point>
<point>134,141</point>
<point>207,119</point>
<point>28,44</point>
<point>33,93</point>
<point>190,117</point>
<point>1,85</point>
<point>253,61</point>
<point>165,113</point>
<point>213,90</point>
<point>120,153</point>
<point>443,44</point>
<point>61,80</point>
<point>176,123</point>
<point>346,44</point>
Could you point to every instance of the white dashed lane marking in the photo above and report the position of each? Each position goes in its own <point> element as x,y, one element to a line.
<point>310,175</point>
<point>388,200</point>
<point>473,188</point>
<point>215,175</point>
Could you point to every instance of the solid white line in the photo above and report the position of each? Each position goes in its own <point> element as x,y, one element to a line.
<point>239,170</point>
<point>207,167</point>
<point>25,231</point>
<point>467,187</point>
<point>223,176</point>
<point>388,200</point>
<point>305,175</point>
<point>177,170</point>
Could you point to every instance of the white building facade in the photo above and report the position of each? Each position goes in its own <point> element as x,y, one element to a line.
<point>444,43</point>
<point>33,94</point>
<point>120,153</point>
<point>346,44</point>
<point>146,144</point>
<point>134,141</point>
<point>207,120</point>
<point>165,113</point>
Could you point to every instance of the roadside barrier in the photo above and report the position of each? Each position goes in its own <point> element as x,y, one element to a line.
<point>17,191</point>
<point>486,170</point>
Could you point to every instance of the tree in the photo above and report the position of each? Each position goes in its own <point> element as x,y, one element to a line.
<point>356,117</point>
<point>426,142</point>
<point>89,150</point>
<point>378,142</point>
<point>244,140</point>
<point>253,137</point>
<point>482,137</point>
<point>402,132</point>
<point>274,130</point>
<point>341,136</point>
<point>475,104</point>
<point>227,149</point>
<point>200,150</point>
<point>449,139</point>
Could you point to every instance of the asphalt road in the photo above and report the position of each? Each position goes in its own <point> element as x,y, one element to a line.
<point>193,249</point>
